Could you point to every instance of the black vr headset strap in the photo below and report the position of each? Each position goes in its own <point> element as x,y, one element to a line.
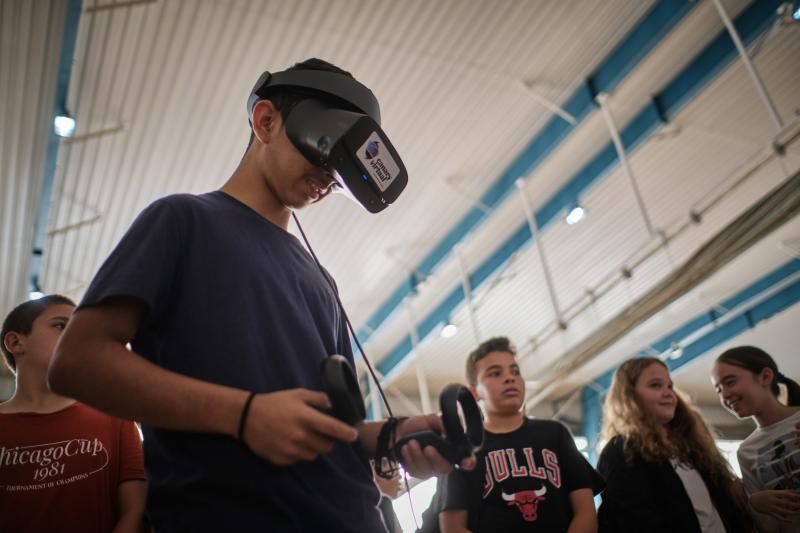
<point>341,86</point>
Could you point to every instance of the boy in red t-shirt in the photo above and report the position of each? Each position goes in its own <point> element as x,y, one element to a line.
<point>63,465</point>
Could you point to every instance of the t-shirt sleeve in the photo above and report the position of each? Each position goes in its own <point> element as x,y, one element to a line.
<point>747,465</point>
<point>144,262</point>
<point>456,491</point>
<point>575,468</point>
<point>131,462</point>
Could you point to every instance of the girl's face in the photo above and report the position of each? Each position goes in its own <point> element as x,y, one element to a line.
<point>740,391</point>
<point>654,393</point>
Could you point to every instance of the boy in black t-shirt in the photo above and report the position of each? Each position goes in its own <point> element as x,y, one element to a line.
<point>531,476</point>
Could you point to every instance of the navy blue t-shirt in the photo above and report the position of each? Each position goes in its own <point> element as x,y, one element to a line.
<point>233,299</point>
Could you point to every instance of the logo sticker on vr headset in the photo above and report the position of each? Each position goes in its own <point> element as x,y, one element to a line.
<point>378,162</point>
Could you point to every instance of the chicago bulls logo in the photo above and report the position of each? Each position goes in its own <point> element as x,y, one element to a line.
<point>527,501</point>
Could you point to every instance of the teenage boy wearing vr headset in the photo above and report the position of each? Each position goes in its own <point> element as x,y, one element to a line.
<point>219,302</point>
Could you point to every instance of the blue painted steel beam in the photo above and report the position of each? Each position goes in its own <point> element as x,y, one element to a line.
<point>709,318</point>
<point>68,40</point>
<point>659,21</point>
<point>591,421</point>
<point>689,82</point>
<point>744,320</point>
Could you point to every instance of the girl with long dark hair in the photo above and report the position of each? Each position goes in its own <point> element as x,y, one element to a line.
<point>748,383</point>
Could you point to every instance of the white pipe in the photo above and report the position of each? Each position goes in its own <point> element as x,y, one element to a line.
<point>550,105</point>
<point>396,395</point>
<point>92,134</point>
<point>748,64</point>
<point>115,5</point>
<point>473,198</point>
<point>422,383</point>
<point>602,99</point>
<point>468,293</point>
<point>375,401</point>
<point>529,214</point>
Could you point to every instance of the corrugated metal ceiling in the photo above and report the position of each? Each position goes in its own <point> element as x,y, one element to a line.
<point>30,45</point>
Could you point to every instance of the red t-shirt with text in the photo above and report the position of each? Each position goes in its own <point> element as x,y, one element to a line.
<point>61,471</point>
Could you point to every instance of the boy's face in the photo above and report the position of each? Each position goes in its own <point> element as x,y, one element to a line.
<point>500,384</point>
<point>290,178</point>
<point>36,348</point>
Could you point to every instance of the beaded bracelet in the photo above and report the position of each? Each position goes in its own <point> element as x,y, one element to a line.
<point>385,458</point>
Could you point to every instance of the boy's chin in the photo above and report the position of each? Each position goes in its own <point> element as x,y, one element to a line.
<point>507,407</point>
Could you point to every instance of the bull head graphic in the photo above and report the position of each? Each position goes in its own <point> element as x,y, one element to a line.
<point>527,501</point>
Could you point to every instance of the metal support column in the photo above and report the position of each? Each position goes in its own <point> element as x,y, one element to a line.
<point>602,99</point>
<point>531,216</point>
<point>748,64</point>
<point>549,104</point>
<point>468,293</point>
<point>422,384</point>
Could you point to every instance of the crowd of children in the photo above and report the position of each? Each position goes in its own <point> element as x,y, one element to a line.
<point>208,324</point>
<point>659,471</point>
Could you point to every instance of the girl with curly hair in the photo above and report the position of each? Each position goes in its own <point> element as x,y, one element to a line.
<point>662,467</point>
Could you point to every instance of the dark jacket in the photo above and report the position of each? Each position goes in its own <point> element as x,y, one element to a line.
<point>650,497</point>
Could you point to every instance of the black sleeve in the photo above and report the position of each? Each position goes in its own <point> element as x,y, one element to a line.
<point>576,470</point>
<point>455,490</point>
<point>144,262</point>
<point>388,515</point>
<point>628,503</point>
<point>430,516</point>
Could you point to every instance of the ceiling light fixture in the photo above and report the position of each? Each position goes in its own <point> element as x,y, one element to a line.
<point>675,351</point>
<point>64,125</point>
<point>576,214</point>
<point>449,330</point>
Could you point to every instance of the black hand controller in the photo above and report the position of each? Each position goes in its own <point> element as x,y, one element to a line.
<point>456,443</point>
<point>339,382</point>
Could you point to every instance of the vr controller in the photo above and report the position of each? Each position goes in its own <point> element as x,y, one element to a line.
<point>457,442</point>
<point>340,384</point>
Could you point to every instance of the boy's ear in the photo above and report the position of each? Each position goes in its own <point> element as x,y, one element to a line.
<point>13,342</point>
<point>266,121</point>
<point>474,390</point>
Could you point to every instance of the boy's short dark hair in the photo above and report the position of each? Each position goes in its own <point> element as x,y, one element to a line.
<point>495,344</point>
<point>284,99</point>
<point>20,320</point>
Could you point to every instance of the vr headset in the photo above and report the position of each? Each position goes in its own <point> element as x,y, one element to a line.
<point>337,127</point>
